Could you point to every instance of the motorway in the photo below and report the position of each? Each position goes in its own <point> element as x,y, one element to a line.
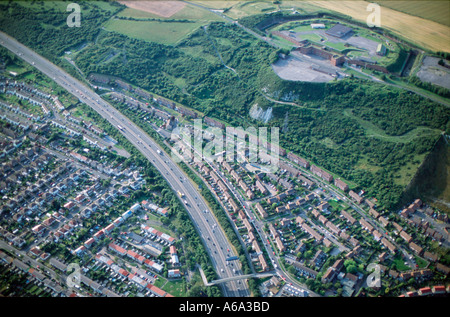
<point>206,224</point>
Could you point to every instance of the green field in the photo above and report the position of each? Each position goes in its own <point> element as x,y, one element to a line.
<point>153,31</point>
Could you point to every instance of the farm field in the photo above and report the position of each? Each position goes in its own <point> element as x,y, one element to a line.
<point>188,12</point>
<point>437,11</point>
<point>148,21</point>
<point>161,8</point>
<point>424,33</point>
<point>153,31</point>
<point>218,5</point>
<point>246,8</point>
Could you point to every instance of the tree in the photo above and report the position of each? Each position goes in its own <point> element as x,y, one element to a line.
<point>351,269</point>
<point>308,254</point>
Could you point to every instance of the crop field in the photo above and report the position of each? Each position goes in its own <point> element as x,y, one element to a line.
<point>247,8</point>
<point>149,24</point>
<point>154,31</point>
<point>437,11</point>
<point>161,8</point>
<point>424,33</point>
<point>188,12</point>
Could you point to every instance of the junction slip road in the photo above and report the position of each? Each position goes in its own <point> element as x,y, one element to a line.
<point>213,237</point>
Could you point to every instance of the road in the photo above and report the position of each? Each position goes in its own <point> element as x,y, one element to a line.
<point>46,270</point>
<point>215,241</point>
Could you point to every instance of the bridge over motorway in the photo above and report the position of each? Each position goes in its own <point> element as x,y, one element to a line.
<point>232,278</point>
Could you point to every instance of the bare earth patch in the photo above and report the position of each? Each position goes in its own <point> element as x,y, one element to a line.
<point>299,67</point>
<point>161,8</point>
<point>434,73</point>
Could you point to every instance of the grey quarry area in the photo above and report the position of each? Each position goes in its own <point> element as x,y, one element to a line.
<point>434,73</point>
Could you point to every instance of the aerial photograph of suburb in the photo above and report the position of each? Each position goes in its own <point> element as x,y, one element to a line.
<point>234,156</point>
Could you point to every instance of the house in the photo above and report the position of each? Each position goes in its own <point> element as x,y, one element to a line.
<point>299,220</point>
<point>439,289</point>
<point>80,250</point>
<point>442,268</point>
<point>356,197</point>
<point>312,232</point>
<point>99,235</point>
<point>327,243</point>
<point>388,245</point>
<point>261,187</point>
<point>323,220</point>
<point>319,258</point>
<point>397,226</point>
<point>35,251</point>
<point>347,216</point>
<point>89,242</point>
<point>374,213</point>
<point>416,248</point>
<point>273,231</point>
<point>321,173</point>
<point>261,210</point>
<point>341,185</point>
<point>69,205</point>
<point>329,275</point>
<point>383,221</point>
<point>153,265</point>
<point>298,160</point>
<point>38,229</point>
<point>109,228</point>
<point>173,273</point>
<point>118,249</point>
<point>291,206</point>
<point>271,200</point>
<point>333,227</point>
<point>123,273</point>
<point>303,270</point>
<point>406,236</point>
<point>377,235</point>
<point>425,291</point>
<point>280,244</point>
<point>58,264</point>
<point>393,274</point>
<point>366,225</point>
<point>430,256</point>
